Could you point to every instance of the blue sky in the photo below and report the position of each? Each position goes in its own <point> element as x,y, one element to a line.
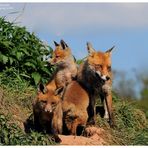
<point>124,25</point>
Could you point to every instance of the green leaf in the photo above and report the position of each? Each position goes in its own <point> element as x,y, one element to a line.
<point>19,55</point>
<point>24,75</point>
<point>11,60</point>
<point>29,64</point>
<point>7,44</point>
<point>24,51</point>
<point>5,59</point>
<point>45,70</point>
<point>36,76</point>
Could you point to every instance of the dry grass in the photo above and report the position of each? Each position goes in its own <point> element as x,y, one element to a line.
<point>16,103</point>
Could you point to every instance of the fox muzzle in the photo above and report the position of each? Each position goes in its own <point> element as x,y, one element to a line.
<point>103,77</point>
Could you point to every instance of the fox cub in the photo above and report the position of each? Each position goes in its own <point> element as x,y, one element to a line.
<point>96,77</point>
<point>75,104</point>
<point>47,110</point>
<point>66,65</point>
<point>52,114</point>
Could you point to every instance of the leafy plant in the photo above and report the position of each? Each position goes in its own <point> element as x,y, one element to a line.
<point>21,54</point>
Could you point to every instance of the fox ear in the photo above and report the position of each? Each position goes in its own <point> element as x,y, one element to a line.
<point>110,50</point>
<point>63,44</point>
<point>56,44</point>
<point>42,88</point>
<point>90,48</point>
<point>58,91</point>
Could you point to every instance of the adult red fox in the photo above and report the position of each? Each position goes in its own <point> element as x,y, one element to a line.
<point>66,65</point>
<point>96,77</point>
<point>47,110</point>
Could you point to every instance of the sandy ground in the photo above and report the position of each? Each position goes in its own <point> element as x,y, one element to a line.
<point>93,136</point>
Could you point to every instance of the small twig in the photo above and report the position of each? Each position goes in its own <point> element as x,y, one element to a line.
<point>21,13</point>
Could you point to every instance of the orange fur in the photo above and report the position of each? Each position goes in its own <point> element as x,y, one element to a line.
<point>66,66</point>
<point>75,103</point>
<point>72,109</point>
<point>96,76</point>
<point>48,110</point>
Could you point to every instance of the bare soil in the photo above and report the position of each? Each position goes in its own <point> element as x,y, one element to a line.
<point>92,136</point>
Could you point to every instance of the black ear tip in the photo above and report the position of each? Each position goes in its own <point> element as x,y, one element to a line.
<point>110,50</point>
<point>62,41</point>
<point>113,47</point>
<point>89,44</point>
<point>64,45</point>
<point>41,87</point>
<point>56,44</point>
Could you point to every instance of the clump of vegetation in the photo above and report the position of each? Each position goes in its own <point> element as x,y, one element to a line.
<point>130,123</point>
<point>11,134</point>
<point>141,137</point>
<point>22,67</point>
<point>21,54</point>
<point>142,103</point>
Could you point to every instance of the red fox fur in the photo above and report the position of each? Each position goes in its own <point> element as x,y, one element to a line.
<point>96,77</point>
<point>66,66</point>
<point>51,112</point>
<point>75,104</point>
<point>47,110</point>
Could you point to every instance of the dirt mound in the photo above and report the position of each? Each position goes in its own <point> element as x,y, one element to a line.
<point>93,136</point>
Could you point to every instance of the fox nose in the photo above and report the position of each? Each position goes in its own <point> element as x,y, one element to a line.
<point>48,108</point>
<point>107,78</point>
<point>103,77</point>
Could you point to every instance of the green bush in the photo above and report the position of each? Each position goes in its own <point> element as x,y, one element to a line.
<point>21,54</point>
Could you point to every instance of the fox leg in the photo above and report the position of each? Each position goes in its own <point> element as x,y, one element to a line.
<point>74,128</point>
<point>57,120</point>
<point>106,115</point>
<point>37,124</point>
<point>71,127</point>
<point>57,126</point>
<point>91,111</point>
<point>102,96</point>
<point>108,100</point>
<point>57,123</point>
<point>106,97</point>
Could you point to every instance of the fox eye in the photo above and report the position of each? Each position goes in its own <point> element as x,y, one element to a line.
<point>57,56</point>
<point>43,101</point>
<point>99,66</point>
<point>109,68</point>
<point>52,103</point>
